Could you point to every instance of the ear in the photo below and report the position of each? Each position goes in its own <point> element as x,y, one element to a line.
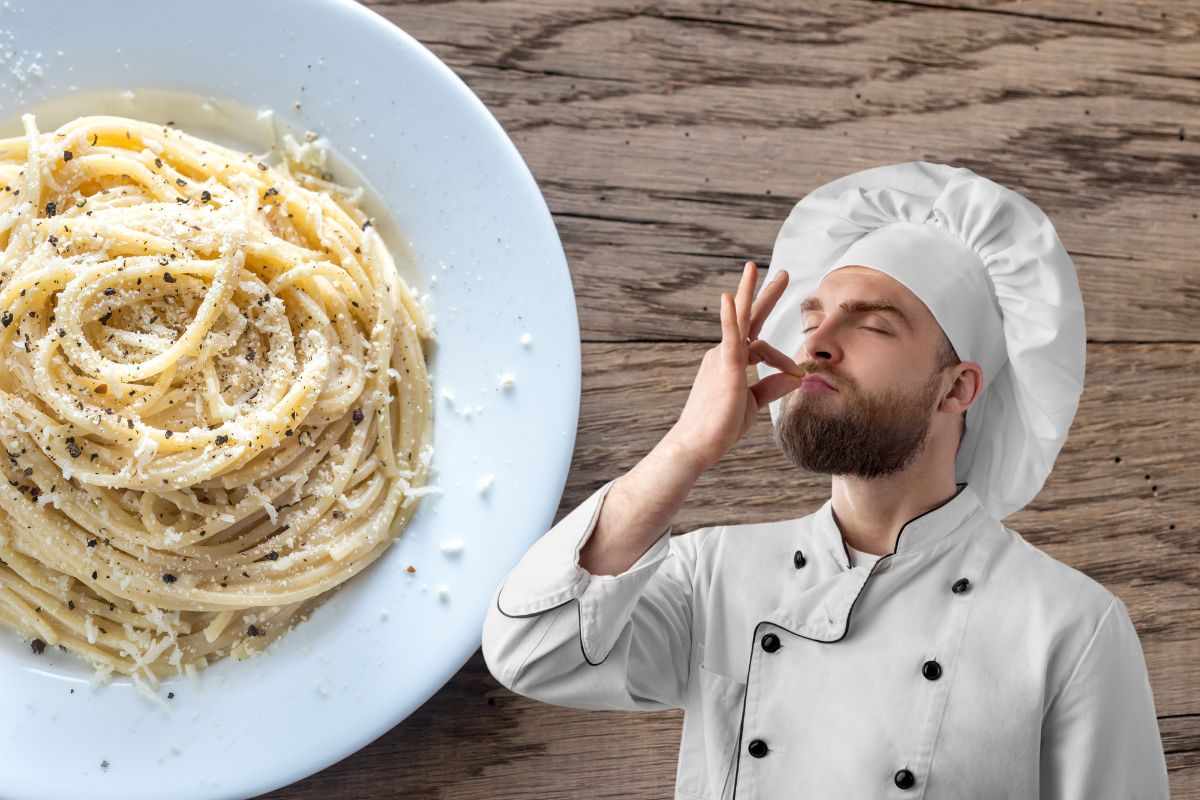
<point>968,383</point>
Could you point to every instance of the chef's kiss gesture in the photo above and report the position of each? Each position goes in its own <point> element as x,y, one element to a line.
<point>719,410</point>
<point>722,406</point>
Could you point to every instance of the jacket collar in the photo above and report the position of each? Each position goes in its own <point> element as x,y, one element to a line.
<point>819,606</point>
<point>917,535</point>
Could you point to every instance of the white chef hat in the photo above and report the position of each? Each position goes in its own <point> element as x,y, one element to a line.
<point>988,264</point>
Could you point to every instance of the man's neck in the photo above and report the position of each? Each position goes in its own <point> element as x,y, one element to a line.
<point>871,513</point>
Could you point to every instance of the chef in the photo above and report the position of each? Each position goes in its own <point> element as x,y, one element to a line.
<point>919,338</point>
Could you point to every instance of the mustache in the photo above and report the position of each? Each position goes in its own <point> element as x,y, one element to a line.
<point>809,369</point>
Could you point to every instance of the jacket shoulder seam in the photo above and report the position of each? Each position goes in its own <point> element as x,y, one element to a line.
<point>1083,655</point>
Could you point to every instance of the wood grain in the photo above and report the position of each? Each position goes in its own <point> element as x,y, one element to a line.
<point>672,138</point>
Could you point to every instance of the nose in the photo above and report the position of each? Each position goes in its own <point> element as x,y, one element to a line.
<point>820,345</point>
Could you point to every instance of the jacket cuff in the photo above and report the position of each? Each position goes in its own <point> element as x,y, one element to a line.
<point>608,601</point>
<point>549,574</point>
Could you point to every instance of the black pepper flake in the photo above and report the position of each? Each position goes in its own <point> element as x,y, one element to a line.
<point>109,292</point>
<point>180,182</point>
<point>168,277</point>
<point>91,542</point>
<point>271,192</point>
<point>168,434</point>
<point>73,447</point>
<point>273,555</point>
<point>6,319</point>
<point>222,439</point>
<point>106,317</point>
<point>366,225</point>
<point>288,432</point>
<point>61,333</point>
<point>54,240</point>
<point>253,631</point>
<point>262,166</point>
<point>357,416</point>
<point>337,514</point>
<point>206,195</point>
<point>250,354</point>
<point>170,695</point>
<point>38,647</point>
<point>51,208</point>
<point>95,139</point>
<point>93,574</point>
<point>68,155</point>
<point>158,162</point>
<point>71,604</point>
<point>168,578</point>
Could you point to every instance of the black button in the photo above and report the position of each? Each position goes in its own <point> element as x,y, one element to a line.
<point>931,670</point>
<point>798,559</point>
<point>770,642</point>
<point>905,779</point>
<point>758,748</point>
<point>960,586</point>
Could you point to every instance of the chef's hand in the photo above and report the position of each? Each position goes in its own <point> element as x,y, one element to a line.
<point>722,405</point>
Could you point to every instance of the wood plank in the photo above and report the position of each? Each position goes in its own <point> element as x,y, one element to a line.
<point>672,139</point>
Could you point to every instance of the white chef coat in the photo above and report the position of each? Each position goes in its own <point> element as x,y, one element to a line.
<point>967,663</point>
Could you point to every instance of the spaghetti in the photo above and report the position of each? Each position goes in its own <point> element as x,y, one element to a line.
<point>214,400</point>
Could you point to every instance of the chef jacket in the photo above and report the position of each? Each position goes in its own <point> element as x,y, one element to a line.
<point>967,663</point>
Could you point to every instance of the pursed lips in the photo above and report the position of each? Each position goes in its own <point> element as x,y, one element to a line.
<point>814,378</point>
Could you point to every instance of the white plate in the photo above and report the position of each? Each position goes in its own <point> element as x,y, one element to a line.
<point>462,196</point>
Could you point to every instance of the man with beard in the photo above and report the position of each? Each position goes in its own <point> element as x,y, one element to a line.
<point>900,640</point>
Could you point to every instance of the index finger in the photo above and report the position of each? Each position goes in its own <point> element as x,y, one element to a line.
<point>765,302</point>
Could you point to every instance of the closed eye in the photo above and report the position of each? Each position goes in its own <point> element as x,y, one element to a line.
<point>864,327</point>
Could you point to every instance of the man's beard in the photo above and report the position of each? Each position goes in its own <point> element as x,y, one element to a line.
<point>847,433</point>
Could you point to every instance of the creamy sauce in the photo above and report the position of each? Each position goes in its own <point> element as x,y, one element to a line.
<point>228,123</point>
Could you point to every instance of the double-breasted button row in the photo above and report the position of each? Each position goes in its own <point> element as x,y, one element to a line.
<point>770,642</point>
<point>798,559</point>
<point>904,779</point>
<point>758,748</point>
<point>960,586</point>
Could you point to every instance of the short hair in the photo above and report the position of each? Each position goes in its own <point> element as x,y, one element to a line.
<point>947,356</point>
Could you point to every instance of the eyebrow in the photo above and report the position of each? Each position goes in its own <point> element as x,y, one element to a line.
<point>859,307</point>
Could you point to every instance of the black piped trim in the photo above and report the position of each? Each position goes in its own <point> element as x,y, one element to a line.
<point>579,611</point>
<point>845,630</point>
<point>896,546</point>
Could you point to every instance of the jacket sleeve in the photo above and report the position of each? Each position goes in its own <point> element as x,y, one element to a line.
<point>1100,734</point>
<point>559,634</point>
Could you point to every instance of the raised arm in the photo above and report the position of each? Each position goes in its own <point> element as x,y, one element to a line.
<point>625,641</point>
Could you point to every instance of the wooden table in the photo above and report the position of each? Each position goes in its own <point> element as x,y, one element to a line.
<point>671,139</point>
